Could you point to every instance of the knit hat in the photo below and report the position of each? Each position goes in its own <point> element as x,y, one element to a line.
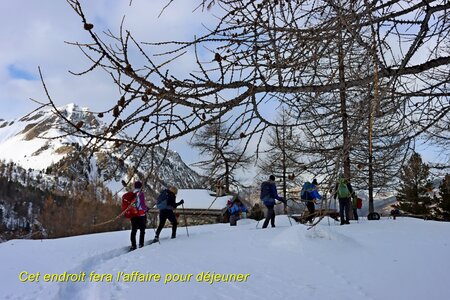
<point>173,190</point>
<point>272,177</point>
<point>138,185</point>
<point>314,182</point>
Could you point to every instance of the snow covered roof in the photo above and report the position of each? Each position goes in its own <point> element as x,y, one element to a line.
<point>202,199</point>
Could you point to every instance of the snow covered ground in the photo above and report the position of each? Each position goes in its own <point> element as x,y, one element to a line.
<point>386,259</point>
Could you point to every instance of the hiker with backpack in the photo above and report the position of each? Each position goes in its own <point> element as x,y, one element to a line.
<point>310,195</point>
<point>268,196</point>
<point>356,204</point>
<point>343,192</point>
<point>139,220</point>
<point>166,203</point>
<point>236,209</point>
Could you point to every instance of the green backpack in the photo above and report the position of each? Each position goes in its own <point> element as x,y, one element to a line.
<point>343,191</point>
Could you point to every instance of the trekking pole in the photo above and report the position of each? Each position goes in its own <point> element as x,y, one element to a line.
<point>153,222</point>
<point>185,220</point>
<point>289,217</point>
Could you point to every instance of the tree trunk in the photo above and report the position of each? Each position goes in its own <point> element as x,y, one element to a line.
<point>344,116</point>
<point>370,183</point>
<point>227,178</point>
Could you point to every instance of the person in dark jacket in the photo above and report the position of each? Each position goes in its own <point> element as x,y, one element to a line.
<point>355,206</point>
<point>139,222</point>
<point>166,212</point>
<point>343,192</point>
<point>395,212</point>
<point>268,196</point>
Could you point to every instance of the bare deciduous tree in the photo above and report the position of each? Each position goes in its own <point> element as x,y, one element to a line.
<point>308,56</point>
<point>281,158</point>
<point>221,153</point>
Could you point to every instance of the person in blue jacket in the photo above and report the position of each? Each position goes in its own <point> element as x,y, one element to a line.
<point>236,210</point>
<point>268,196</point>
<point>310,195</point>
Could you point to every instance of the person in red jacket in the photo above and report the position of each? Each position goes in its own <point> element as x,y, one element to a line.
<point>140,221</point>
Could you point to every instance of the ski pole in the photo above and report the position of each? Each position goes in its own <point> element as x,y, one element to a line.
<point>289,215</point>
<point>185,220</point>
<point>153,222</point>
<point>289,218</point>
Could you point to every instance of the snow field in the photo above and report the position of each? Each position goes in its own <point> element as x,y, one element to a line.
<point>403,259</point>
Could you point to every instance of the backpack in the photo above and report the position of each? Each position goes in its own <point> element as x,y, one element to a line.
<point>343,191</point>
<point>266,188</point>
<point>231,208</point>
<point>359,203</point>
<point>129,205</point>
<point>161,202</point>
<point>306,191</point>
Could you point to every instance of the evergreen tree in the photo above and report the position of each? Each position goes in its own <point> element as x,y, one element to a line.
<point>412,195</point>
<point>444,201</point>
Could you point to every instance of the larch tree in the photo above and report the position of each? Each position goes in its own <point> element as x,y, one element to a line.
<point>281,157</point>
<point>268,55</point>
<point>219,146</point>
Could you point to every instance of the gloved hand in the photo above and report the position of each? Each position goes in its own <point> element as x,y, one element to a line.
<point>181,202</point>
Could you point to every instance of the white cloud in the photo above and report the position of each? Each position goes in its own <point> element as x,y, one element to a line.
<point>34,34</point>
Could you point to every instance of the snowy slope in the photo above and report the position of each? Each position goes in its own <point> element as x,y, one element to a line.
<point>387,259</point>
<point>36,152</point>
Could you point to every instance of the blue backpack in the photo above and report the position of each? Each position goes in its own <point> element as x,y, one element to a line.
<point>266,187</point>
<point>306,192</point>
<point>161,202</point>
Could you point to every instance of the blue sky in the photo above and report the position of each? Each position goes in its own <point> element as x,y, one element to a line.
<point>16,73</point>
